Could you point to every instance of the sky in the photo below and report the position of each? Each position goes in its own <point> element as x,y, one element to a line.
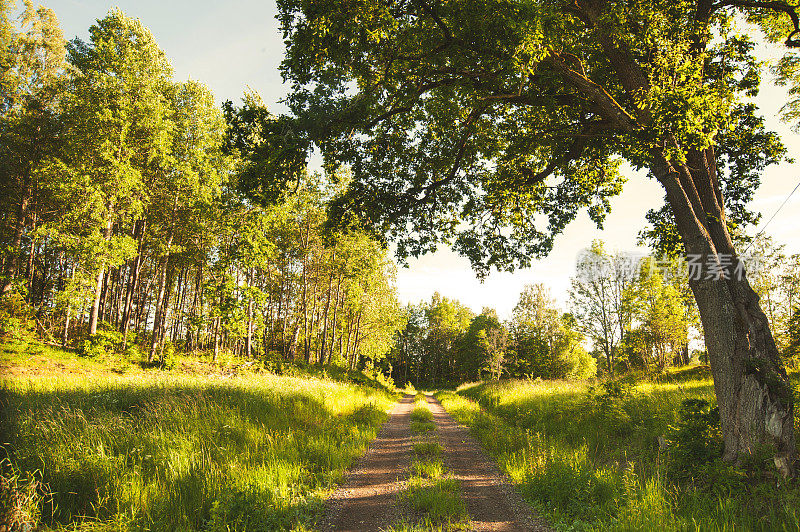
<point>236,44</point>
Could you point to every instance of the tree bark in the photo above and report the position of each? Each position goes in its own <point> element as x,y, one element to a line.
<point>752,388</point>
<point>100,276</point>
<point>12,264</point>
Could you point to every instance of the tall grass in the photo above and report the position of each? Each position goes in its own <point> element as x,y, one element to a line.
<point>155,451</point>
<point>590,461</point>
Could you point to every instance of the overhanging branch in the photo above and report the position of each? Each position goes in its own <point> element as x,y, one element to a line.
<point>774,5</point>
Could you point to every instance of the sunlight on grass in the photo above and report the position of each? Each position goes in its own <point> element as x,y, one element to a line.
<point>179,452</point>
<point>586,462</point>
<point>439,501</point>
<point>421,414</point>
<point>427,449</point>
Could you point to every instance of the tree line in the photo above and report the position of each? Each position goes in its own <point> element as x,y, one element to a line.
<point>130,218</point>
<point>626,314</point>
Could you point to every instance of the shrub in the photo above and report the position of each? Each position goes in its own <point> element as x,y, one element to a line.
<point>608,400</point>
<point>103,343</point>
<point>696,438</point>
<point>16,321</point>
<point>168,359</point>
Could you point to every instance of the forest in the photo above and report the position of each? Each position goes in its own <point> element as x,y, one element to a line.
<point>200,321</point>
<point>131,226</point>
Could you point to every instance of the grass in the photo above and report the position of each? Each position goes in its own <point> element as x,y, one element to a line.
<point>153,450</point>
<point>431,468</point>
<point>438,501</point>
<point>421,427</point>
<point>427,450</point>
<point>421,414</point>
<point>590,461</point>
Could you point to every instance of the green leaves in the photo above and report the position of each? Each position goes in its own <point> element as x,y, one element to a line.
<point>272,150</point>
<point>490,126</point>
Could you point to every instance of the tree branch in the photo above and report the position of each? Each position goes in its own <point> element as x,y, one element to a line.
<point>610,108</point>
<point>448,35</point>
<point>573,153</point>
<point>773,5</point>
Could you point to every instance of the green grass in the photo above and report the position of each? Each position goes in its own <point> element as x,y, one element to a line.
<point>589,462</point>
<point>155,450</point>
<point>427,449</point>
<point>431,468</point>
<point>438,501</point>
<point>421,427</point>
<point>421,414</point>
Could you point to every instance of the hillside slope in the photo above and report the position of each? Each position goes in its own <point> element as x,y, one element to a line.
<point>107,445</point>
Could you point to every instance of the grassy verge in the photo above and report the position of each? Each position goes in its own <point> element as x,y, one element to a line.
<point>590,459</point>
<point>153,450</point>
<point>432,499</point>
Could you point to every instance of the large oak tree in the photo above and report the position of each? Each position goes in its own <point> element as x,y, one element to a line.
<point>489,125</point>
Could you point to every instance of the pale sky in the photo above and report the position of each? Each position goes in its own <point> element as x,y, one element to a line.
<point>236,44</point>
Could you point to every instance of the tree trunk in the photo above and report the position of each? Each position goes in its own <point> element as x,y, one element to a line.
<point>11,269</point>
<point>100,276</point>
<point>216,338</point>
<point>293,343</point>
<point>65,335</point>
<point>321,356</point>
<point>333,322</point>
<point>159,317</point>
<point>133,280</point>
<point>165,310</point>
<point>752,388</point>
<point>249,339</point>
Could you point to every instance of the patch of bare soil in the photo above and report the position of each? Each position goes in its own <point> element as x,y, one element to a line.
<point>492,503</point>
<point>366,501</point>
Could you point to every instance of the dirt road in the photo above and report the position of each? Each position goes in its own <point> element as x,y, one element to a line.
<point>367,500</point>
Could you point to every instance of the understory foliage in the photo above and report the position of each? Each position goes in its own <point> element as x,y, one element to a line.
<point>146,449</point>
<point>624,456</point>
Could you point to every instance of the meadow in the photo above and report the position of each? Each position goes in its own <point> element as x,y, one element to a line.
<point>624,455</point>
<point>108,445</point>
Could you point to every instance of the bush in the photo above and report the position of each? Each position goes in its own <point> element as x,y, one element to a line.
<point>608,400</point>
<point>168,359</point>
<point>103,343</point>
<point>16,321</point>
<point>696,438</point>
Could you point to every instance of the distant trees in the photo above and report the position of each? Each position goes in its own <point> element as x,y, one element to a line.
<point>482,347</point>
<point>658,333</point>
<point>546,342</point>
<point>636,310</point>
<point>133,206</point>
<point>598,299</point>
<point>444,343</point>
